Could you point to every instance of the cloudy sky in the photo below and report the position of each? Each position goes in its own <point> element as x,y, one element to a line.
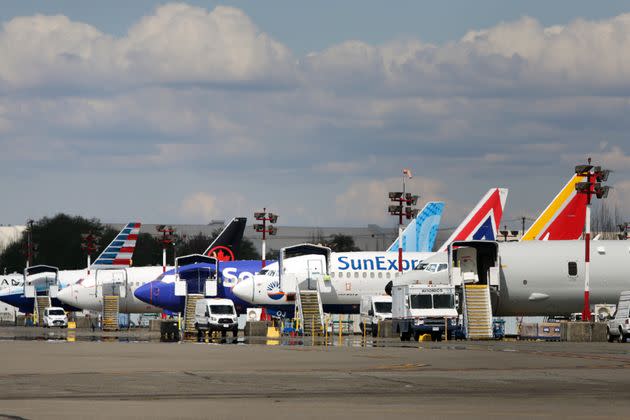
<point>186,112</point>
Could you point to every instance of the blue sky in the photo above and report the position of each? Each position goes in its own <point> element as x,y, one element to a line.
<point>187,112</point>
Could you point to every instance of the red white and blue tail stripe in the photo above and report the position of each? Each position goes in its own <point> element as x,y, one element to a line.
<point>119,252</point>
<point>482,223</point>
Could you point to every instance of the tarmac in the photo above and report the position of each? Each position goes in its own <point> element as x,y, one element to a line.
<point>129,375</point>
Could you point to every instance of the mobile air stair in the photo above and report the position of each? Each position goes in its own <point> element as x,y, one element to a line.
<point>41,283</point>
<point>477,312</point>
<point>195,279</point>
<point>308,309</point>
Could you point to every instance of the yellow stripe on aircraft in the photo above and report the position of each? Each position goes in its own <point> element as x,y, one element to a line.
<point>552,209</point>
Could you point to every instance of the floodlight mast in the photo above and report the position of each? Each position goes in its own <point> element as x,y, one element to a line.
<point>264,217</point>
<point>594,176</point>
<point>89,242</point>
<point>167,239</point>
<point>405,202</point>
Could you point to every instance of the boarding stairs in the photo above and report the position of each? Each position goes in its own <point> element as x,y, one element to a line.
<point>477,312</point>
<point>41,303</point>
<point>189,314</point>
<point>111,308</point>
<point>308,308</point>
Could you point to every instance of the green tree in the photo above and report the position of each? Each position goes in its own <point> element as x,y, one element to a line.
<point>57,242</point>
<point>341,243</point>
<point>247,250</point>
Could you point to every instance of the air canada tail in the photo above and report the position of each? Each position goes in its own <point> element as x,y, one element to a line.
<point>119,252</point>
<point>225,247</point>
<point>482,223</point>
<point>420,233</point>
<point>564,217</point>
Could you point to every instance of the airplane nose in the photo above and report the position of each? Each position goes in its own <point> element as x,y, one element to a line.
<point>144,293</point>
<point>66,294</point>
<point>244,290</point>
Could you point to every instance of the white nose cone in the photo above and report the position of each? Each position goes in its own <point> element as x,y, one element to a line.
<point>65,296</point>
<point>244,290</point>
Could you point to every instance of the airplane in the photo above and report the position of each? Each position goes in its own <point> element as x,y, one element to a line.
<point>88,293</point>
<point>353,275</point>
<point>419,235</point>
<point>562,219</point>
<point>537,278</point>
<point>116,255</point>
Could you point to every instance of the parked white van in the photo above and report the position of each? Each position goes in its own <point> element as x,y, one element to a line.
<point>374,309</point>
<point>55,317</point>
<point>619,326</point>
<point>216,315</point>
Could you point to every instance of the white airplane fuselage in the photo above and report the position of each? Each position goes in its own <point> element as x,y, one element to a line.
<point>352,275</point>
<point>88,294</point>
<point>539,278</point>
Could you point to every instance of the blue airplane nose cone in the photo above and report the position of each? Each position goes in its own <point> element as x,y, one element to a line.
<point>144,292</point>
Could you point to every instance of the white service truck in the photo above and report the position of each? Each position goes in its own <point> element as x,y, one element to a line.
<point>216,315</point>
<point>424,309</point>
<point>374,310</point>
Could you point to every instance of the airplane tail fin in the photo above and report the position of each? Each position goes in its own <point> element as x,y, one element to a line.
<point>483,221</point>
<point>564,217</point>
<point>420,233</point>
<point>225,247</point>
<point>119,252</point>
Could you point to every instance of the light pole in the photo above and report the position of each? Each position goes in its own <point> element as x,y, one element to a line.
<point>404,207</point>
<point>89,242</point>
<point>167,239</point>
<point>264,217</point>
<point>30,246</point>
<point>595,175</point>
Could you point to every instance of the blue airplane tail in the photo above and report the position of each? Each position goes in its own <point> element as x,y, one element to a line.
<point>420,234</point>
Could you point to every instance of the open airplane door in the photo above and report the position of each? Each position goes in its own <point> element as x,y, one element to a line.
<point>317,268</point>
<point>196,273</point>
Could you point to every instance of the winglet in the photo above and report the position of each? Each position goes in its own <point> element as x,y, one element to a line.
<point>420,233</point>
<point>119,252</point>
<point>564,217</point>
<point>483,221</point>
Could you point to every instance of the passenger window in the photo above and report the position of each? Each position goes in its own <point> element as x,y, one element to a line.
<point>388,275</point>
<point>372,275</point>
<point>332,275</point>
<point>348,274</point>
<point>573,268</point>
<point>356,275</point>
<point>380,275</point>
<point>364,274</point>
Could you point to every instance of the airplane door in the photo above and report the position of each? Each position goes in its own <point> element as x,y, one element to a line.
<point>467,258</point>
<point>315,272</point>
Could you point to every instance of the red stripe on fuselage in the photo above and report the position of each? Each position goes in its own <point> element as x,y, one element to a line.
<point>493,203</point>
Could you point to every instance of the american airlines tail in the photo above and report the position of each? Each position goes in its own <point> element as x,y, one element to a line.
<point>119,252</point>
<point>420,234</point>
<point>225,247</point>
<point>483,221</point>
<point>564,217</point>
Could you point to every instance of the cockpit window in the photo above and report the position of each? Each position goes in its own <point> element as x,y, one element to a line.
<point>420,266</point>
<point>442,267</point>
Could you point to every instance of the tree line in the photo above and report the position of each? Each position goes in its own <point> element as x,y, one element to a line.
<point>57,241</point>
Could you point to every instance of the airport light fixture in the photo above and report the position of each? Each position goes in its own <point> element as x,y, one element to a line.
<point>403,208</point>
<point>89,242</point>
<point>167,232</point>
<point>31,247</point>
<point>264,217</point>
<point>594,175</point>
